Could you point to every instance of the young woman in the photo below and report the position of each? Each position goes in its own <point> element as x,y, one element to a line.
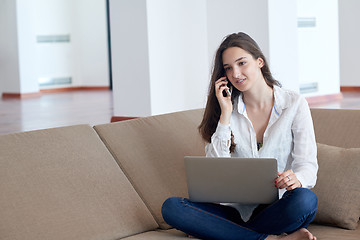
<point>248,114</point>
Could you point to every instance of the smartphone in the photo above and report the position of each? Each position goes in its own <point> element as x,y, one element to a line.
<point>227,91</point>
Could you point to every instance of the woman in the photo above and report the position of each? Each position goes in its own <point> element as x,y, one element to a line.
<point>249,115</point>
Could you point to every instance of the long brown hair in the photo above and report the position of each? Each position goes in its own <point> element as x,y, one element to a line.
<point>212,110</point>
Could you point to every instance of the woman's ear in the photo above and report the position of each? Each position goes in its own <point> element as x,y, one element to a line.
<point>260,62</point>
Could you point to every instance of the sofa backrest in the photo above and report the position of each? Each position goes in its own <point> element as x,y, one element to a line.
<point>151,152</point>
<point>337,127</point>
<point>63,183</point>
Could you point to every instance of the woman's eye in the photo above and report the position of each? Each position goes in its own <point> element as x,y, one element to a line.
<point>242,63</point>
<point>227,69</point>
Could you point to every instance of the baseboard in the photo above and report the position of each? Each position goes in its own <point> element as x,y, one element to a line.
<point>118,119</point>
<point>71,89</point>
<point>51,90</point>
<point>350,89</point>
<point>324,98</point>
<point>20,95</point>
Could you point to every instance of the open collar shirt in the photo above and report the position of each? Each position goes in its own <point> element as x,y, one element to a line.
<point>289,137</point>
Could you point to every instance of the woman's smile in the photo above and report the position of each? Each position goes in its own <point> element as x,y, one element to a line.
<point>240,81</point>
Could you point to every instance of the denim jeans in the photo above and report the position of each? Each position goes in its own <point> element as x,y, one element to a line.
<point>295,210</point>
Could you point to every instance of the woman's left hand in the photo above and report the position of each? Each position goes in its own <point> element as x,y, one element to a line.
<point>287,180</point>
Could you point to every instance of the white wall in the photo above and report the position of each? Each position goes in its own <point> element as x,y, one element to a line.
<point>91,43</point>
<point>84,58</point>
<point>283,41</point>
<point>9,61</point>
<point>177,54</point>
<point>55,17</point>
<point>130,58</point>
<point>232,16</point>
<point>319,46</point>
<point>349,42</point>
<point>27,47</point>
<point>159,56</point>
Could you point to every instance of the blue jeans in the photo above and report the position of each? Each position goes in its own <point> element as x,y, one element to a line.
<point>295,210</point>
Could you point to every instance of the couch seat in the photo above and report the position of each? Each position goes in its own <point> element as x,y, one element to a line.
<point>320,231</point>
<point>334,233</point>
<point>159,235</point>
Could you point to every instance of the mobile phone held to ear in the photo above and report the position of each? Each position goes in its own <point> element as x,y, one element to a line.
<point>227,91</point>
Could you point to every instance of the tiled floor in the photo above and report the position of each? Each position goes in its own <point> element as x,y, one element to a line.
<point>351,100</point>
<point>55,110</point>
<point>87,107</point>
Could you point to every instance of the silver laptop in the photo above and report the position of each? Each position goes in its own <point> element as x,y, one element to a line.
<point>231,180</point>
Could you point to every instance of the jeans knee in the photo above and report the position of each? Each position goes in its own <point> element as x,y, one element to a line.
<point>307,199</point>
<point>171,202</point>
<point>169,207</point>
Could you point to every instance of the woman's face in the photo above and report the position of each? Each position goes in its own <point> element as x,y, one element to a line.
<point>242,70</point>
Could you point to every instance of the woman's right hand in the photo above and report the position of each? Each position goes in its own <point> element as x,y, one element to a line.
<point>224,102</point>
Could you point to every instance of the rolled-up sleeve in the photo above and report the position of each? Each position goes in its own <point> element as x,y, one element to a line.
<point>220,142</point>
<point>304,154</point>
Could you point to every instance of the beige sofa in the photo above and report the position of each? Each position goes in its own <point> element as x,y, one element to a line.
<point>109,181</point>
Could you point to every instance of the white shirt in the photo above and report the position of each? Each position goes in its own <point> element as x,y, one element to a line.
<point>289,137</point>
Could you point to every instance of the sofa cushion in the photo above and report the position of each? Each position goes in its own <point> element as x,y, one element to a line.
<point>160,235</point>
<point>337,127</point>
<point>320,231</point>
<point>151,152</point>
<point>337,186</point>
<point>333,233</point>
<point>64,184</point>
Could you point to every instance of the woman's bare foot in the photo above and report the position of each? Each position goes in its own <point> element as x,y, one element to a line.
<point>301,234</point>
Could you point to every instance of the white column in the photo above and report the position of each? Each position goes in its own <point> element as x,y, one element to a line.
<point>319,46</point>
<point>90,42</point>
<point>9,60</point>
<point>178,54</point>
<point>27,47</point>
<point>159,56</point>
<point>283,41</point>
<point>349,42</point>
<point>130,58</point>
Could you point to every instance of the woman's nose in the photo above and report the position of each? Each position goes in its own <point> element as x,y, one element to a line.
<point>236,73</point>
